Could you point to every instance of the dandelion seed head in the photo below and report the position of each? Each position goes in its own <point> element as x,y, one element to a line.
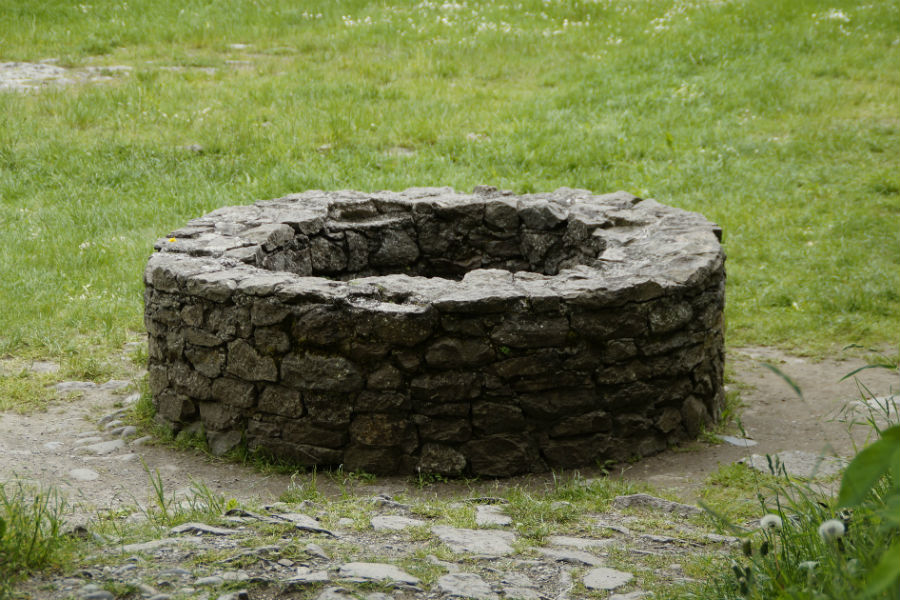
<point>832,529</point>
<point>771,521</point>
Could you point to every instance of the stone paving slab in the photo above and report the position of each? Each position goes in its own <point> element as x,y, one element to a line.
<point>476,541</point>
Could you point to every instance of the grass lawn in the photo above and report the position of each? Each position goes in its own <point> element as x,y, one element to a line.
<point>779,120</point>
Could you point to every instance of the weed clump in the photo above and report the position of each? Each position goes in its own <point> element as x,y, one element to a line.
<point>811,545</point>
<point>31,535</point>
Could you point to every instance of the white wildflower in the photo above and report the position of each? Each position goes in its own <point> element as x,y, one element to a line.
<point>836,14</point>
<point>771,521</point>
<point>832,529</point>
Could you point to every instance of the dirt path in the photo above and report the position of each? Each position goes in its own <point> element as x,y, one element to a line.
<point>67,445</point>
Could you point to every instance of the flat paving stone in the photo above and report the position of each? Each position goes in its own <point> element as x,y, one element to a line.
<point>160,543</point>
<point>84,474</point>
<point>654,503</point>
<point>635,595</point>
<point>67,387</point>
<point>604,578</point>
<point>797,463</point>
<point>335,593</point>
<point>394,522</point>
<point>491,514</point>
<point>521,587</point>
<point>476,541</point>
<point>97,595</point>
<point>575,557</point>
<point>316,550</point>
<point>738,441</point>
<point>376,572</point>
<point>581,543</point>
<point>90,439</point>
<point>113,385</point>
<point>465,585</point>
<point>201,528</point>
<point>43,366</point>
<point>305,576</point>
<point>102,448</point>
<point>303,522</point>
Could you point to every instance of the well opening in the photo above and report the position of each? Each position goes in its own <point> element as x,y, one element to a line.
<point>440,243</point>
<point>433,331</point>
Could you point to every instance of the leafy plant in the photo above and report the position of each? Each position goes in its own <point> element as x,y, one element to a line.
<point>812,546</point>
<point>872,483</point>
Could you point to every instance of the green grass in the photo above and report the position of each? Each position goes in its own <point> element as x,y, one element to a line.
<point>30,531</point>
<point>24,392</point>
<point>773,119</point>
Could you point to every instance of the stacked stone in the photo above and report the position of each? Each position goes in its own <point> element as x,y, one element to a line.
<point>439,332</point>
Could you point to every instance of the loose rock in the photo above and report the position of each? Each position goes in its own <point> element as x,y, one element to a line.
<point>394,523</point>
<point>575,557</point>
<point>84,474</point>
<point>375,572</point>
<point>476,541</point>
<point>465,585</point>
<point>491,514</point>
<point>604,578</point>
<point>581,543</point>
<point>102,448</point>
<point>738,441</point>
<point>201,528</point>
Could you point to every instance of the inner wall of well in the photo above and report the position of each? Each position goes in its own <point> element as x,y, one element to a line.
<point>432,246</point>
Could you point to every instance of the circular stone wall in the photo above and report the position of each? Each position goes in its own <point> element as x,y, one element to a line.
<point>439,332</point>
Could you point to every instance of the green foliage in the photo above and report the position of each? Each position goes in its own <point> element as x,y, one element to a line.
<point>871,483</point>
<point>200,504</point>
<point>30,530</point>
<point>815,546</point>
<point>302,487</point>
<point>878,461</point>
<point>24,392</point>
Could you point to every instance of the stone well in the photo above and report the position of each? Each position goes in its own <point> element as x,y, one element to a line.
<point>434,331</point>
